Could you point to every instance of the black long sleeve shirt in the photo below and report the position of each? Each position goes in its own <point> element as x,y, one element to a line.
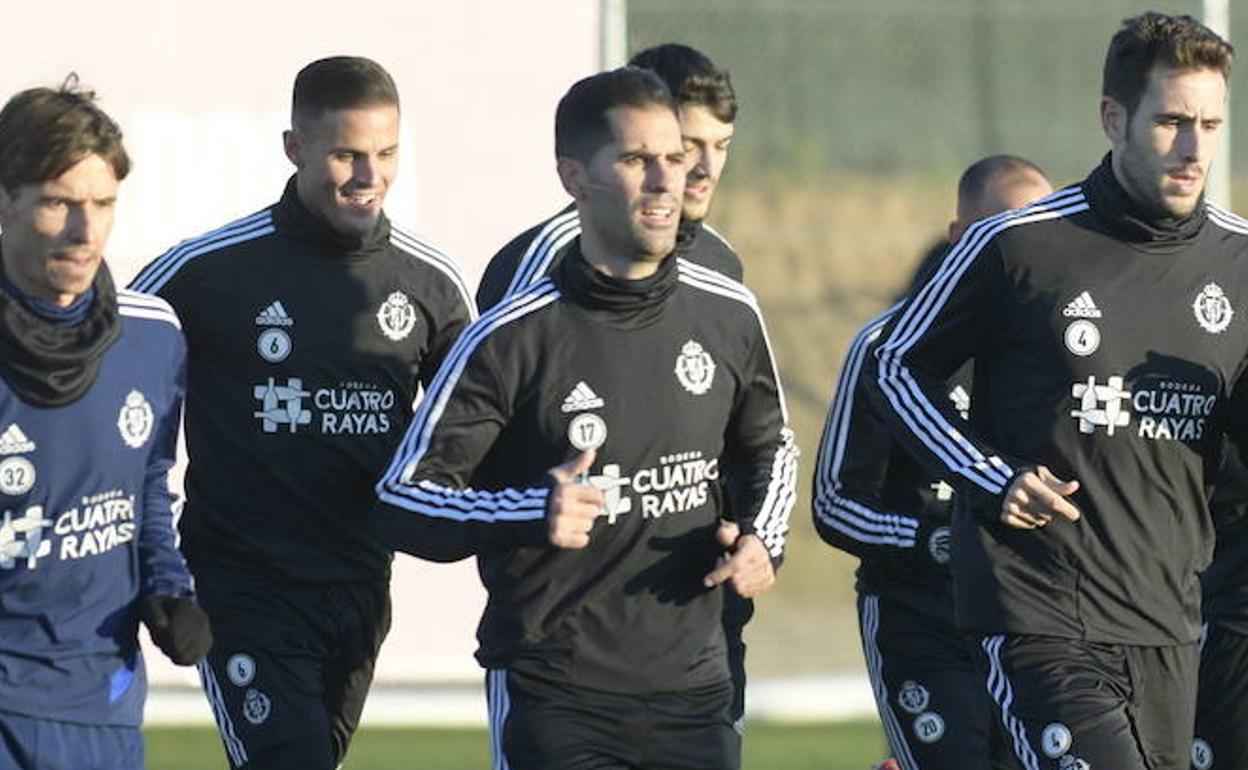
<point>873,500</point>
<point>306,349</point>
<point>672,377</point>
<point>1108,346</point>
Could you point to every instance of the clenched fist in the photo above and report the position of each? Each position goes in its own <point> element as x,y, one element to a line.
<point>573,503</point>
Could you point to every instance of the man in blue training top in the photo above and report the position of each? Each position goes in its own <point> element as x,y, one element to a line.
<point>91,385</point>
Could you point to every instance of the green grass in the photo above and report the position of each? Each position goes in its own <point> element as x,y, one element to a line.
<point>840,746</point>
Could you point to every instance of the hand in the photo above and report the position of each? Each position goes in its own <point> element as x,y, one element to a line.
<point>573,505</point>
<point>747,567</point>
<point>1035,497</point>
<point>178,627</point>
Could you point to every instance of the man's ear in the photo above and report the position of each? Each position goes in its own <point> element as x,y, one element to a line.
<point>573,175</point>
<point>294,150</point>
<point>1114,119</point>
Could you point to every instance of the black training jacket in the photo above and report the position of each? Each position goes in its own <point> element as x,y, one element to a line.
<point>672,378</point>
<point>306,349</point>
<point>1225,583</point>
<point>873,500</point>
<point>1108,346</point>
<point>535,253</point>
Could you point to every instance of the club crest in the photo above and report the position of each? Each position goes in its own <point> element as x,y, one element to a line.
<point>396,316</point>
<point>256,706</point>
<point>694,368</point>
<point>135,420</point>
<point>1213,310</point>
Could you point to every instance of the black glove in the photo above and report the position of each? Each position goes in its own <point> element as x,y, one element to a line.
<point>178,627</point>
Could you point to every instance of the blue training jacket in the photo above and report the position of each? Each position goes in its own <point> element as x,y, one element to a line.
<point>86,527</point>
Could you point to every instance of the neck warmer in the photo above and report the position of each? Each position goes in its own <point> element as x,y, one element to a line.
<point>616,301</point>
<point>47,361</point>
<point>1130,221</point>
<point>314,235</point>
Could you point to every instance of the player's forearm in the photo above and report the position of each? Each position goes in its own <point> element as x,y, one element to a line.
<point>767,490</point>
<point>441,523</point>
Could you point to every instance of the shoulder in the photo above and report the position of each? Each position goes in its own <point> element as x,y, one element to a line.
<point>1226,220</point>
<point>150,324</point>
<point>152,278</point>
<point>507,327</point>
<point>147,309</point>
<point>528,257</point>
<point>1017,229</point>
<point>425,256</point>
<point>711,249</point>
<point>551,234</point>
<point>718,293</point>
<point>517,310</point>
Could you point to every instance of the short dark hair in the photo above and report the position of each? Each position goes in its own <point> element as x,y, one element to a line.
<point>341,83</point>
<point>975,180</point>
<point>45,131</point>
<point>1151,39</point>
<point>691,77</point>
<point>581,126</point>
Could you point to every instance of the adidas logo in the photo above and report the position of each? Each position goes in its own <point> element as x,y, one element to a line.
<point>274,315</point>
<point>13,441</point>
<point>961,400</point>
<point>582,398</point>
<point>1082,307</point>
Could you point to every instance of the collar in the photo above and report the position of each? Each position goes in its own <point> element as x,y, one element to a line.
<point>48,362</point>
<point>313,234</point>
<point>1111,203</point>
<point>70,315</point>
<point>630,301</point>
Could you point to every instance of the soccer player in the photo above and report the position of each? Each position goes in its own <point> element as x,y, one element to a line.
<point>707,108</point>
<point>1107,329</point>
<point>310,324</point>
<point>873,501</point>
<point>91,384</point>
<point>1222,703</point>
<point>574,442</point>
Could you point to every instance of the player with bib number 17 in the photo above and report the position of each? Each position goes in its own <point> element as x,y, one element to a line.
<point>576,444</point>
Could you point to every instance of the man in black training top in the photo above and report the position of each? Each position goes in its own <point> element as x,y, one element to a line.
<point>310,325</point>
<point>1107,326</point>
<point>874,501</point>
<point>1221,742</point>
<point>707,107</point>
<point>574,441</point>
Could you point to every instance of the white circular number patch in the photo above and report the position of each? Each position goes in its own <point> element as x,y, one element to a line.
<point>587,431</point>
<point>1083,338</point>
<point>1202,754</point>
<point>929,727</point>
<point>274,345</point>
<point>241,669</point>
<point>17,476</point>
<point>1055,740</point>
